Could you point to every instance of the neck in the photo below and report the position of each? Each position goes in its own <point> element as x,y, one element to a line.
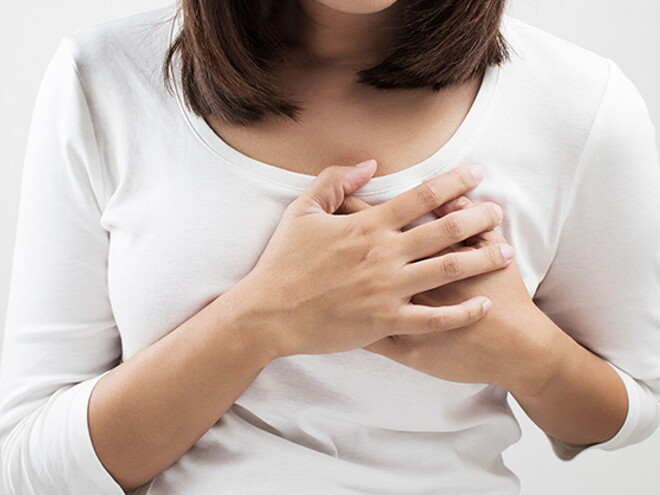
<point>329,37</point>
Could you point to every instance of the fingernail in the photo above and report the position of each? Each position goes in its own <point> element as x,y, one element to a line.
<point>365,163</point>
<point>477,172</point>
<point>507,251</point>
<point>487,305</point>
<point>462,201</point>
<point>498,211</point>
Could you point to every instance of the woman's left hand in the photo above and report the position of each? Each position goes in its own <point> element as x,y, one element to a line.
<point>507,347</point>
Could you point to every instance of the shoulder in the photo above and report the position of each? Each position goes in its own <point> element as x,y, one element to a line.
<point>568,74</point>
<point>124,51</point>
<point>550,60</point>
<point>567,80</point>
<point>575,95</point>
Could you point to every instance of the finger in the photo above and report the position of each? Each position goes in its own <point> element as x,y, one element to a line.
<point>436,271</point>
<point>430,237</point>
<point>478,240</point>
<point>418,318</point>
<point>484,239</point>
<point>453,205</point>
<point>329,188</point>
<point>458,204</point>
<point>425,197</point>
<point>352,204</point>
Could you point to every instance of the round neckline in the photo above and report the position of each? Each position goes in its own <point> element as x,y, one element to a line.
<point>434,164</point>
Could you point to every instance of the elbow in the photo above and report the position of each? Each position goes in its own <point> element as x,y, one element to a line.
<point>16,479</point>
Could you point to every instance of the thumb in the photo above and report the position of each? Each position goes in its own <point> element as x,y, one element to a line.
<point>329,188</point>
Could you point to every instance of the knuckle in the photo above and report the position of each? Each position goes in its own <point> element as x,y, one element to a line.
<point>473,312</point>
<point>463,177</point>
<point>438,322</point>
<point>373,287</point>
<point>429,193</point>
<point>494,255</point>
<point>329,171</point>
<point>374,256</point>
<point>358,226</point>
<point>333,172</point>
<point>452,227</point>
<point>452,265</point>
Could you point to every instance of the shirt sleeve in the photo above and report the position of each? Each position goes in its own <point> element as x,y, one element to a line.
<point>603,285</point>
<point>60,334</point>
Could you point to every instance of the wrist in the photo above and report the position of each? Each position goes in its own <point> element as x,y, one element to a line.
<point>549,351</point>
<point>252,322</point>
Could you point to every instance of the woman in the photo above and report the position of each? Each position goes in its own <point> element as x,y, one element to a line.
<point>207,297</point>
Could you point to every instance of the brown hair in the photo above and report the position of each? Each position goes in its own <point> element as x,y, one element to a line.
<point>228,48</point>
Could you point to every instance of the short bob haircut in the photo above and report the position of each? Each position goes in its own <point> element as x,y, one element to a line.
<point>228,48</point>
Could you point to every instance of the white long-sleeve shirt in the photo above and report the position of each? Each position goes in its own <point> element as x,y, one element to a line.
<point>134,214</point>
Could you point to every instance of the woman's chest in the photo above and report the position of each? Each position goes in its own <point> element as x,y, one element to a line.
<point>398,131</point>
<point>180,238</point>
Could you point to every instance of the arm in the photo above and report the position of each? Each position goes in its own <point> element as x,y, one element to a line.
<point>62,348</point>
<point>603,287</point>
<point>143,416</point>
<point>584,401</point>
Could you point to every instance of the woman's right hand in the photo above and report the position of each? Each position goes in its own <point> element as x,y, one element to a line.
<point>331,283</point>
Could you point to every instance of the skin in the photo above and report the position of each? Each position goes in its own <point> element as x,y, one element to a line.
<point>560,384</point>
<point>344,122</point>
<point>567,390</point>
<point>144,416</point>
<point>322,306</point>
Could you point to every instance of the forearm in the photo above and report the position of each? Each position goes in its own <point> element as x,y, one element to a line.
<point>583,401</point>
<point>148,411</point>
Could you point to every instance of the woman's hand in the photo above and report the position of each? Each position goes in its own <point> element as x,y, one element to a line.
<point>330,283</point>
<point>495,349</point>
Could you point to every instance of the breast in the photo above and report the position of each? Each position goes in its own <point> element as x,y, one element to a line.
<point>180,239</point>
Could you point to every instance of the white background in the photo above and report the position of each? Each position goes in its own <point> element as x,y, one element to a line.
<point>626,31</point>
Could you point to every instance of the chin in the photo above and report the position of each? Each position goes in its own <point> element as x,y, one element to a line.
<point>358,6</point>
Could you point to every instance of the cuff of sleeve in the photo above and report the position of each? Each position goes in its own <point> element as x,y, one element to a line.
<point>100,480</point>
<point>641,421</point>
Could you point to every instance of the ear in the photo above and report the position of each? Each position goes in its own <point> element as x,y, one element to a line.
<point>351,204</point>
